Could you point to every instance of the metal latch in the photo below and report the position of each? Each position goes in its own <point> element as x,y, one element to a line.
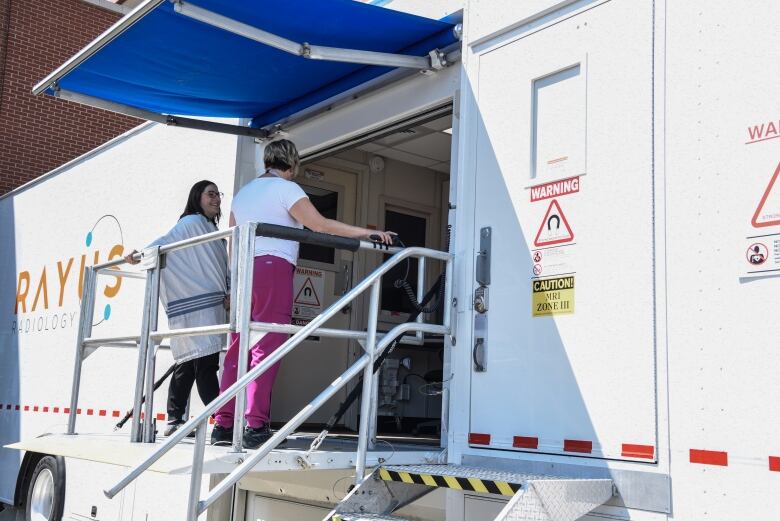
<point>483,257</point>
<point>481,299</point>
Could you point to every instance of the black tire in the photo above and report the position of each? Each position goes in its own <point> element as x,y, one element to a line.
<point>45,496</point>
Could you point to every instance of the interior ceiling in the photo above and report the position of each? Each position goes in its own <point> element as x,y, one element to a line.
<point>427,145</point>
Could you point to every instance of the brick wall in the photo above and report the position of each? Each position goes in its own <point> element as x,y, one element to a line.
<point>40,133</point>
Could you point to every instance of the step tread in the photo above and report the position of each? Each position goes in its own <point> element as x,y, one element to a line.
<point>460,471</point>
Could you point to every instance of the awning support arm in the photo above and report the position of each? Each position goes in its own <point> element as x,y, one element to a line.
<point>165,119</point>
<point>435,60</point>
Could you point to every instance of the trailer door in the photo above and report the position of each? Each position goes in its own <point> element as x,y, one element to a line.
<point>564,182</point>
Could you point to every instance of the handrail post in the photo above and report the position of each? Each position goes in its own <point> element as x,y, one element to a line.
<point>135,431</point>
<point>420,294</point>
<point>235,241</point>
<point>196,473</point>
<point>245,267</point>
<point>151,353</point>
<point>84,331</point>
<point>368,385</point>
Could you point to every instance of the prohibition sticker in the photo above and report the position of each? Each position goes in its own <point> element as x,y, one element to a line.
<point>554,228</point>
<point>552,296</point>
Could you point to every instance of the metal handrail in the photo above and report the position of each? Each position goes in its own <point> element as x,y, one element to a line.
<point>365,363</point>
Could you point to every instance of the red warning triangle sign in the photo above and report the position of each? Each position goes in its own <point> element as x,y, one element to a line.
<point>768,209</point>
<point>307,296</point>
<point>555,228</point>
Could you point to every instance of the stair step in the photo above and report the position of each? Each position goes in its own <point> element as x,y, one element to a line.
<point>357,516</point>
<point>472,479</point>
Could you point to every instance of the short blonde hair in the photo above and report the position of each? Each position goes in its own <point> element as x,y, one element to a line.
<point>281,155</point>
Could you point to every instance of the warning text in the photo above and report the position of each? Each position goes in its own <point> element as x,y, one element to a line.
<point>554,189</point>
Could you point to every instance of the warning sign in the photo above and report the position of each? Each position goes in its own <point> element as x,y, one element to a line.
<point>768,210</point>
<point>554,228</point>
<point>553,296</point>
<point>307,295</point>
<point>308,290</point>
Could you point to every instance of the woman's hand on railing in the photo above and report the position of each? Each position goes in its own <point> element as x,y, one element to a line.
<point>129,258</point>
<point>380,236</point>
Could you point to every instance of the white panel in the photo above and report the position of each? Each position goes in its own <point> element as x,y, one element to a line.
<point>488,17</point>
<point>407,157</point>
<point>268,509</point>
<point>587,375</point>
<point>435,146</point>
<point>723,331</point>
<point>558,127</point>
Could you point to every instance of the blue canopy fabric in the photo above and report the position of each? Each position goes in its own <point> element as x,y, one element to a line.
<point>169,63</point>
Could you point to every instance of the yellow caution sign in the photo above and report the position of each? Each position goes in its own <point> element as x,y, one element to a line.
<point>552,296</point>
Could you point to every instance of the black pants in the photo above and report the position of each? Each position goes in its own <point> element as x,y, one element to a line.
<point>201,370</point>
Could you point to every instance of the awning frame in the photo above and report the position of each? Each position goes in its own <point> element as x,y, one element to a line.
<point>434,61</point>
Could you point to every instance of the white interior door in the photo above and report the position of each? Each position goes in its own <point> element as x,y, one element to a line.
<point>564,181</point>
<point>322,276</point>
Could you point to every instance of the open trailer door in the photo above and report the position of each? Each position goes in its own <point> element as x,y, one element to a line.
<point>564,357</point>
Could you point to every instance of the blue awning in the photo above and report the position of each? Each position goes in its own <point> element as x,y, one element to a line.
<point>159,60</point>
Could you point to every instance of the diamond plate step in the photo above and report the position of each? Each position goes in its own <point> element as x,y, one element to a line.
<point>471,479</point>
<point>365,517</point>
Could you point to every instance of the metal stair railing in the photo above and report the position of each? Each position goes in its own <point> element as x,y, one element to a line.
<point>243,236</point>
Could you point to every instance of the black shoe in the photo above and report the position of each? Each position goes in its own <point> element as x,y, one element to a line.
<point>221,435</point>
<point>253,438</point>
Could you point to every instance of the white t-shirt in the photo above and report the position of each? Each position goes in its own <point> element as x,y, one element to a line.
<point>268,200</point>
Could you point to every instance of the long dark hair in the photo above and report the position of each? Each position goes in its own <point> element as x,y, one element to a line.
<point>193,201</point>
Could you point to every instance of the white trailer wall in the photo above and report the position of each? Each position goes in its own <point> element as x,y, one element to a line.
<point>722,152</point>
<point>119,197</point>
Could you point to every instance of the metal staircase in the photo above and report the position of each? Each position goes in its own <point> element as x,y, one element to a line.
<point>239,462</point>
<point>533,497</point>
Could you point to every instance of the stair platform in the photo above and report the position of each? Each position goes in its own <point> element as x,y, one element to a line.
<point>334,453</point>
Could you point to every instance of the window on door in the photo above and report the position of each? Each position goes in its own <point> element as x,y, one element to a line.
<point>411,229</point>
<point>326,202</point>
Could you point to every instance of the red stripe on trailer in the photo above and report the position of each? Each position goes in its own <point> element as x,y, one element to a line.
<point>90,412</point>
<point>26,407</point>
<point>78,411</point>
<point>16,407</point>
<point>56,409</point>
<point>45,408</point>
<point>160,416</point>
<point>774,463</point>
<point>583,446</point>
<point>116,414</point>
<point>476,438</point>
<point>638,451</point>
<point>8,406</point>
<point>525,442</point>
<point>102,412</point>
<point>35,408</point>
<point>710,457</point>
<point>66,410</point>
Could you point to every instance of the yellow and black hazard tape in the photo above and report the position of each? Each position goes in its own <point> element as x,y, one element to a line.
<point>485,486</point>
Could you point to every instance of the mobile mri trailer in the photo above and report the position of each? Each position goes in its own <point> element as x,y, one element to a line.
<point>607,344</point>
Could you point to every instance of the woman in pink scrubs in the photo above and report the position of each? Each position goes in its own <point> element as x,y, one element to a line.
<point>272,198</point>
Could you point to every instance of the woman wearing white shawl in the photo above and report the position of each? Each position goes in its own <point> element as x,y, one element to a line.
<point>193,292</point>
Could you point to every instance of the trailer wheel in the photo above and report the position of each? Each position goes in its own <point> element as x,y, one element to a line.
<point>46,490</point>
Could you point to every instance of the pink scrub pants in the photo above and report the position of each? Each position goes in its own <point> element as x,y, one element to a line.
<point>272,300</point>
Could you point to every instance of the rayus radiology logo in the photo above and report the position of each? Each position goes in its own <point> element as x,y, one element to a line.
<point>63,281</point>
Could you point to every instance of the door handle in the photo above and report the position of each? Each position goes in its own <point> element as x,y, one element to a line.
<point>478,355</point>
